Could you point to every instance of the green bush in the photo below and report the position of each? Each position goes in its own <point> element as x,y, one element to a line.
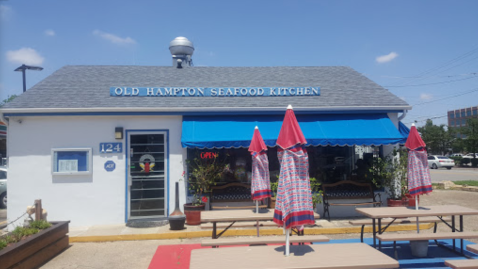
<point>465,161</point>
<point>457,159</point>
<point>40,224</point>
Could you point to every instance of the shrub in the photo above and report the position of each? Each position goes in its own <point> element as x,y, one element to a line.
<point>40,224</point>
<point>465,161</point>
<point>457,159</point>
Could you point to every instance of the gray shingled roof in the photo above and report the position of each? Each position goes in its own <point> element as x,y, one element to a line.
<point>88,87</point>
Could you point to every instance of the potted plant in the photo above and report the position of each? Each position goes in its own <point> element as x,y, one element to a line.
<point>274,186</point>
<point>316,188</point>
<point>203,173</point>
<point>390,172</point>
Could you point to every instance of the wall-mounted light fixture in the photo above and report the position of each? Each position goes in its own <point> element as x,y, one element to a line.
<point>119,132</point>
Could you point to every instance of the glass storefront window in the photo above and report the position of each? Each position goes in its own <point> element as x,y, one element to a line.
<point>326,164</point>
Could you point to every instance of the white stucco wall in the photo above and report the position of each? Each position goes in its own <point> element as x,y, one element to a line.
<point>95,199</point>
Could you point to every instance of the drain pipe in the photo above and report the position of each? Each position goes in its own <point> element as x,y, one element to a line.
<point>403,115</point>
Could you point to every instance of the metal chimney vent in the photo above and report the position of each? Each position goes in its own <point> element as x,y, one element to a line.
<point>181,49</point>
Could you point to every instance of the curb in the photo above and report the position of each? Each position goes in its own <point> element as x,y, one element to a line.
<point>3,224</point>
<point>243,232</point>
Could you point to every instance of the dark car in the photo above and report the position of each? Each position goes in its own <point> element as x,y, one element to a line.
<point>3,187</point>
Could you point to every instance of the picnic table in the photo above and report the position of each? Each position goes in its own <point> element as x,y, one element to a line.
<point>344,256</point>
<point>440,211</point>
<point>233,216</point>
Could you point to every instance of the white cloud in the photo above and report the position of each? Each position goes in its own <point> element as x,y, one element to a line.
<point>426,96</point>
<point>50,32</point>
<point>25,56</point>
<point>5,12</point>
<point>114,38</point>
<point>386,58</point>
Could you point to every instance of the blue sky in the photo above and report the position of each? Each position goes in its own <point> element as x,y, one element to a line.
<point>425,52</point>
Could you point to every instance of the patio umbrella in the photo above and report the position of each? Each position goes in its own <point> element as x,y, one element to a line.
<point>294,198</point>
<point>419,181</point>
<point>260,185</point>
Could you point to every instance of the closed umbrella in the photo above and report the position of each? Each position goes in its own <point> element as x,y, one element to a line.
<point>260,183</point>
<point>419,180</point>
<point>294,198</point>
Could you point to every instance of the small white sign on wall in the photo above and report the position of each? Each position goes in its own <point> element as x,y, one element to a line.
<point>67,165</point>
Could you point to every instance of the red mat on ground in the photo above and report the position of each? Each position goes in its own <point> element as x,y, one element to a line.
<point>176,256</point>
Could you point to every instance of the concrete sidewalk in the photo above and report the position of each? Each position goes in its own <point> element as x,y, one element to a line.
<point>103,233</point>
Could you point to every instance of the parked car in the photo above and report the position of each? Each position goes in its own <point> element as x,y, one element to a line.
<point>470,155</point>
<point>457,155</point>
<point>3,187</point>
<point>436,162</point>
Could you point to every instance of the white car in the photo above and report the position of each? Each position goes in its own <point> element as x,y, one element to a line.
<point>436,162</point>
<point>470,155</point>
<point>457,155</point>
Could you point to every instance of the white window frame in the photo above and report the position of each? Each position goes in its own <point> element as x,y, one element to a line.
<point>89,160</point>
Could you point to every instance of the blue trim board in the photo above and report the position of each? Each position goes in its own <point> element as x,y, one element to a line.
<point>211,113</point>
<point>127,166</point>
<point>436,255</point>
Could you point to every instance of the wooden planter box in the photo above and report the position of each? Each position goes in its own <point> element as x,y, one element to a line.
<point>37,249</point>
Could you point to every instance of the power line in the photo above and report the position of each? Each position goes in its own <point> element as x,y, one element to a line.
<point>452,96</point>
<point>435,83</point>
<point>458,58</point>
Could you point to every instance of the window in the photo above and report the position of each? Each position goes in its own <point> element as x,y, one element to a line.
<point>71,161</point>
<point>452,116</point>
<point>468,113</point>
<point>475,112</point>
<point>452,123</point>
<point>463,122</point>
<point>462,113</point>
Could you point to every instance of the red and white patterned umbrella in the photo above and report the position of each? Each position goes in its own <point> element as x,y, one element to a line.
<point>294,198</point>
<point>260,183</point>
<point>419,180</point>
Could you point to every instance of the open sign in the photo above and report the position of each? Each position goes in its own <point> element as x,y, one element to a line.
<point>209,155</point>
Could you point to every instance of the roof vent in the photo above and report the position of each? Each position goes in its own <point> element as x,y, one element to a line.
<point>181,49</point>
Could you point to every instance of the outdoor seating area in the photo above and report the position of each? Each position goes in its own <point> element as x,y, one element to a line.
<point>334,194</point>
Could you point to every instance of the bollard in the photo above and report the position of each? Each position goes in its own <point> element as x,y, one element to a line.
<point>38,210</point>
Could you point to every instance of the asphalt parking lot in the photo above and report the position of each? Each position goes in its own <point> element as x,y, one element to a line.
<point>455,174</point>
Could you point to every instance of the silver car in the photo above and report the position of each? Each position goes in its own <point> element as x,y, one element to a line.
<point>3,187</point>
<point>436,162</point>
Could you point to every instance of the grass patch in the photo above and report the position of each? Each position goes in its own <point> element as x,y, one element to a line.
<point>436,186</point>
<point>22,232</point>
<point>467,182</point>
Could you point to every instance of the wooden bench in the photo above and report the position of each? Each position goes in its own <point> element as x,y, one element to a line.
<point>390,221</point>
<point>347,190</point>
<point>425,236</point>
<point>462,264</point>
<point>242,224</point>
<point>233,196</point>
<point>263,240</point>
<point>472,248</point>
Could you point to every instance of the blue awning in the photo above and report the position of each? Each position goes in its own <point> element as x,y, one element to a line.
<point>319,130</point>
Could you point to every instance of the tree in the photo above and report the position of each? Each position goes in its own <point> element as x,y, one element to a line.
<point>9,99</point>
<point>471,133</point>
<point>438,139</point>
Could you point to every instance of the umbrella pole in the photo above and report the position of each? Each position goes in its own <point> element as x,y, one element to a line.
<point>416,208</point>
<point>287,233</point>
<point>257,212</point>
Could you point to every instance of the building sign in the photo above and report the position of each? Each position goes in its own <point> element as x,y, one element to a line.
<point>110,166</point>
<point>213,92</point>
<point>111,147</point>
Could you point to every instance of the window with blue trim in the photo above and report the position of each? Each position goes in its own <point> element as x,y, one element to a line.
<point>71,161</point>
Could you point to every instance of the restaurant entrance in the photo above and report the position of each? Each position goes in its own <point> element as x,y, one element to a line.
<point>147,174</point>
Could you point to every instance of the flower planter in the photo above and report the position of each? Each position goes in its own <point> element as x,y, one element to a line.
<point>411,200</point>
<point>395,203</point>
<point>193,213</point>
<point>36,249</point>
<point>273,202</point>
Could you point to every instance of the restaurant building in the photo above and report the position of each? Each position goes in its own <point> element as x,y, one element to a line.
<point>106,144</point>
